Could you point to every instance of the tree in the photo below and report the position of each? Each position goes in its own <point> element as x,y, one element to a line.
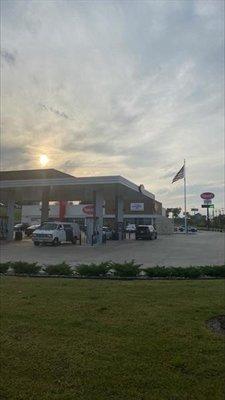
<point>175,211</point>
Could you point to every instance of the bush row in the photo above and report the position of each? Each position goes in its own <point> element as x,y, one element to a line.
<point>21,267</point>
<point>126,269</point>
<point>186,272</point>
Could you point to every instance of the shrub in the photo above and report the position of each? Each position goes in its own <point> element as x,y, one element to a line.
<point>22,267</point>
<point>93,269</point>
<point>192,272</point>
<point>213,270</point>
<point>58,269</point>
<point>4,267</point>
<point>186,272</point>
<point>162,272</point>
<point>177,272</point>
<point>158,272</point>
<point>127,269</point>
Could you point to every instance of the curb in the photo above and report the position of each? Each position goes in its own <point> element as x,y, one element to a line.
<point>114,278</point>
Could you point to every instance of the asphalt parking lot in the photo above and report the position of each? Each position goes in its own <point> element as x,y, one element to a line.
<point>203,248</point>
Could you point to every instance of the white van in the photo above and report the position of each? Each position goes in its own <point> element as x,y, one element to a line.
<point>56,233</point>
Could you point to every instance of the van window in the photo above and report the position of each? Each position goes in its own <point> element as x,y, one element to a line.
<point>48,227</point>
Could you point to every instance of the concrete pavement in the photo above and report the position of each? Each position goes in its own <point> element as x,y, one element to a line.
<point>203,248</point>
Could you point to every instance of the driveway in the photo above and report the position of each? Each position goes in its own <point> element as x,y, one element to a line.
<point>203,248</point>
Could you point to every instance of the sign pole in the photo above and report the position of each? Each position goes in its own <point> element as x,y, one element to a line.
<point>185,199</point>
<point>207,197</point>
<point>208,217</point>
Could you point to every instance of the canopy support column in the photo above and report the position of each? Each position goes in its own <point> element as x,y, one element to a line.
<point>98,214</point>
<point>45,205</point>
<point>119,217</point>
<point>10,223</point>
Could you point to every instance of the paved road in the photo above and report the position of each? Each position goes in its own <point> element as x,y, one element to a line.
<point>203,248</point>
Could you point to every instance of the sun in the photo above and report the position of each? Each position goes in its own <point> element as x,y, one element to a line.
<point>43,160</point>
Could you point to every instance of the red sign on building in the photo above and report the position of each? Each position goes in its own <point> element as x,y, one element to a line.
<point>62,209</point>
<point>89,209</point>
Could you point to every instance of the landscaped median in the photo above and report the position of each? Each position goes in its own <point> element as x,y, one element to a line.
<point>104,270</point>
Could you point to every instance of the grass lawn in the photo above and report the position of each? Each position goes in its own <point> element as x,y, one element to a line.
<point>99,340</point>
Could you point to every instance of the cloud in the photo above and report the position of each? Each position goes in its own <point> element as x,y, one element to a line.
<point>14,157</point>
<point>128,88</point>
<point>8,57</point>
<point>56,112</point>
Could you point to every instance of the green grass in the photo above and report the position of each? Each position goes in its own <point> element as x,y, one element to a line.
<point>99,340</point>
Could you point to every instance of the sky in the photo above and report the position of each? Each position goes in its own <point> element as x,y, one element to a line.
<point>116,87</point>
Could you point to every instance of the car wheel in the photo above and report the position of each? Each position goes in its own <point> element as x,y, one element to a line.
<point>36,243</point>
<point>55,242</point>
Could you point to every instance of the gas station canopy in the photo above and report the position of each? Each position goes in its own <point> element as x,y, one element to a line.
<point>28,185</point>
<point>51,185</point>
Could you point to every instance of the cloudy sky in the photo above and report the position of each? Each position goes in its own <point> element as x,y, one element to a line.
<point>116,87</point>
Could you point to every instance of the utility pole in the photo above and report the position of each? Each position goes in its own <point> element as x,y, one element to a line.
<point>185,199</point>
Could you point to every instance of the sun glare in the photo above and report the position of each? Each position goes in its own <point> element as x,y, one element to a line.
<point>43,160</point>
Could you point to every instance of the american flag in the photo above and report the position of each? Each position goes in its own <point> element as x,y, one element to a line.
<point>179,175</point>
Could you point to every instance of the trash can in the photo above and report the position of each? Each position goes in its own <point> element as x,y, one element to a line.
<point>104,237</point>
<point>115,236</point>
<point>18,235</point>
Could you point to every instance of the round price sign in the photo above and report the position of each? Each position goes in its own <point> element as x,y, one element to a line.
<point>207,195</point>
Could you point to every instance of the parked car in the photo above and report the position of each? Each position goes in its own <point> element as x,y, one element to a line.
<point>107,232</point>
<point>56,232</point>
<point>30,229</point>
<point>147,232</point>
<point>191,229</point>
<point>131,228</point>
<point>22,226</point>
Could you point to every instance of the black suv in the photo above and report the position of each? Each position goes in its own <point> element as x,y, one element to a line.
<point>147,232</point>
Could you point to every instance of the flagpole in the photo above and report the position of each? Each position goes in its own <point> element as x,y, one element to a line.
<point>185,199</point>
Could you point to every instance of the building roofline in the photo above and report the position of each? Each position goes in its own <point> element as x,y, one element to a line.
<point>96,180</point>
<point>41,173</point>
